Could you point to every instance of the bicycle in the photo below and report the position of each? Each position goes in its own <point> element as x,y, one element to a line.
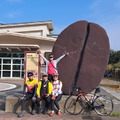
<point>102,104</point>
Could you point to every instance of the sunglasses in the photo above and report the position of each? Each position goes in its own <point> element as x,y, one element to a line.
<point>50,57</point>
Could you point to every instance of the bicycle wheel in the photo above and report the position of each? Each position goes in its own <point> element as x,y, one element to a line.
<point>72,106</point>
<point>103,105</point>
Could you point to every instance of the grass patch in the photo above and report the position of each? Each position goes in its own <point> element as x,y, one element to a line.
<point>115,114</point>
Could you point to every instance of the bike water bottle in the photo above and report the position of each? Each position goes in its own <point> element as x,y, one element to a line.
<point>86,98</point>
<point>91,99</point>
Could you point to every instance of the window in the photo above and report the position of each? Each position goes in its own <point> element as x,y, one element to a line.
<point>5,55</point>
<point>11,65</point>
<point>7,61</point>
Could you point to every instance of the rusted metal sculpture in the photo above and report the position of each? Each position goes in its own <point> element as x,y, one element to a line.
<point>88,47</point>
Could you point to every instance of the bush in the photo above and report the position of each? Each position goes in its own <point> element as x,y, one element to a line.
<point>113,70</point>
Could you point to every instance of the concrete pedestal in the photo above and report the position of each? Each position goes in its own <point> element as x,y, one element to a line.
<point>13,104</point>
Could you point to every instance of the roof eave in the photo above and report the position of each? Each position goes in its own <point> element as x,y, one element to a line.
<point>29,36</point>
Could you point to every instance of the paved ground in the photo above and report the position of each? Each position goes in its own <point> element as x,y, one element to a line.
<point>62,117</point>
<point>6,86</point>
<point>19,83</point>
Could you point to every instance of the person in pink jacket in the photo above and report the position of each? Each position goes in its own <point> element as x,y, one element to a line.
<point>51,64</point>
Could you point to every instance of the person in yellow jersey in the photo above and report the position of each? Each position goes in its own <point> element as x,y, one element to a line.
<point>44,91</point>
<point>29,92</point>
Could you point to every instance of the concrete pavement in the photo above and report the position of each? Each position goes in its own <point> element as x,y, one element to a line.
<point>113,93</point>
<point>19,88</point>
<point>6,86</point>
<point>11,116</point>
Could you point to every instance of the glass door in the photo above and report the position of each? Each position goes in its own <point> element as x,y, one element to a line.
<point>5,68</point>
<point>17,68</point>
<point>0,66</point>
<point>11,65</point>
<point>11,68</point>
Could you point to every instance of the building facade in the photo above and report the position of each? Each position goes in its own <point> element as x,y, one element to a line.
<point>17,38</point>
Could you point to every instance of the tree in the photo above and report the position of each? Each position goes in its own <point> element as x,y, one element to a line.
<point>114,57</point>
<point>114,64</point>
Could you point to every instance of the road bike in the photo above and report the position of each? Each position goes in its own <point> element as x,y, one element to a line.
<point>75,104</point>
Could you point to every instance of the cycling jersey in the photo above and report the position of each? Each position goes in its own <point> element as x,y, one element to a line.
<point>41,87</point>
<point>30,84</point>
<point>57,87</point>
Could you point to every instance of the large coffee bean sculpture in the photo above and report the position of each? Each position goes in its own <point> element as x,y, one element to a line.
<point>88,47</point>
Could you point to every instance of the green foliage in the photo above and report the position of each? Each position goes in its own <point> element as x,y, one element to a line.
<point>114,57</point>
<point>110,67</point>
<point>113,66</point>
<point>115,114</point>
<point>116,65</point>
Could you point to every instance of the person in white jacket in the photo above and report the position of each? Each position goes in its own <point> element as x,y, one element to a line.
<point>56,94</point>
<point>51,64</point>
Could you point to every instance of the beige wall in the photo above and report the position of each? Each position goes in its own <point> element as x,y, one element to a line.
<point>28,33</point>
<point>30,30</point>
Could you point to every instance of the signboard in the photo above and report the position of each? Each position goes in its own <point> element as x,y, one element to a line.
<point>31,64</point>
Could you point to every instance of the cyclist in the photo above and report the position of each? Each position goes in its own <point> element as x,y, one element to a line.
<point>56,94</point>
<point>44,91</point>
<point>51,64</point>
<point>28,92</point>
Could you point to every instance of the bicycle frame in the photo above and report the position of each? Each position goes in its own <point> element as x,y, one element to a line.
<point>102,104</point>
<point>90,105</point>
<point>85,99</point>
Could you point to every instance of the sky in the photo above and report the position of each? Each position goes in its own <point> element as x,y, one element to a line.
<point>62,13</point>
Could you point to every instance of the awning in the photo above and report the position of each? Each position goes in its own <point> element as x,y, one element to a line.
<point>20,42</point>
<point>18,47</point>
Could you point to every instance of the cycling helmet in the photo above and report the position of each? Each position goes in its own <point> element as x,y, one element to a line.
<point>55,74</point>
<point>30,74</point>
<point>44,75</point>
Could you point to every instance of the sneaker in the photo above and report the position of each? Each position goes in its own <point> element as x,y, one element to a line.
<point>59,113</point>
<point>52,114</point>
<point>33,112</point>
<point>20,114</point>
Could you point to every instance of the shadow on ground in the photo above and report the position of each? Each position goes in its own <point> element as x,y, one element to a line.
<point>90,117</point>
